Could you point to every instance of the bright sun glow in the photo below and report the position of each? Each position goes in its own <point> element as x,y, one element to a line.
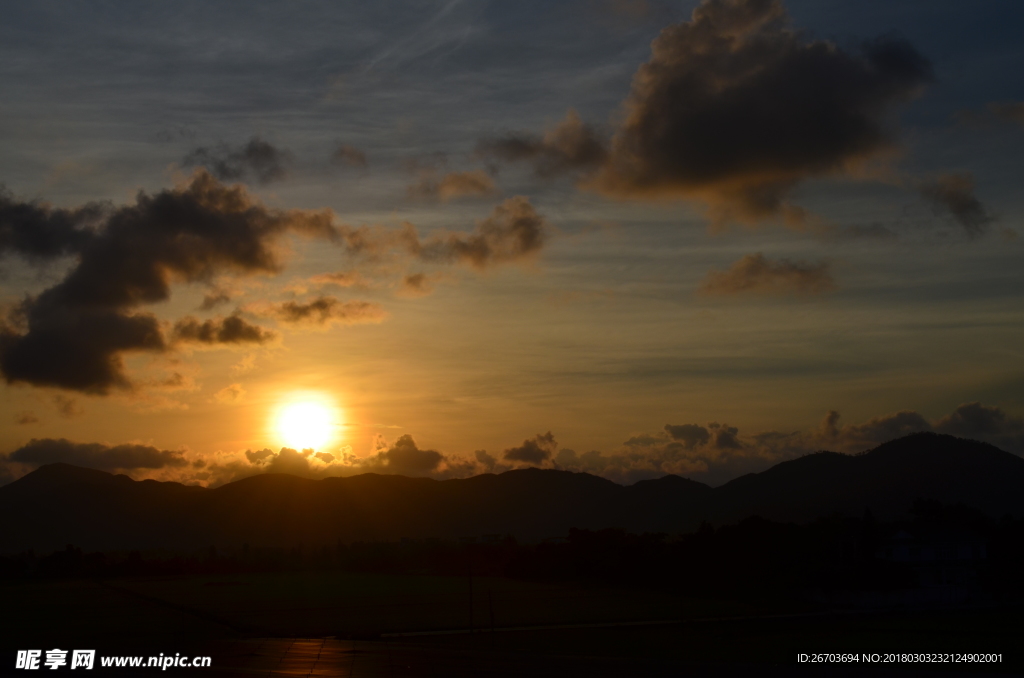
<point>305,424</point>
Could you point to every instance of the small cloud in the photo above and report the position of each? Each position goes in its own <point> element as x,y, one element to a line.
<point>323,311</point>
<point>214,298</point>
<point>338,278</point>
<point>67,407</point>
<point>349,155</point>
<point>954,194</point>
<point>754,274</point>
<point>23,418</point>
<point>417,285</point>
<point>533,451</point>
<point>230,394</point>
<point>452,185</point>
<point>1012,111</point>
<point>220,331</point>
<point>257,158</point>
<point>572,145</point>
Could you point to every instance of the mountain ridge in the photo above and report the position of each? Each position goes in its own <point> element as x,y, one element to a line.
<point>60,504</point>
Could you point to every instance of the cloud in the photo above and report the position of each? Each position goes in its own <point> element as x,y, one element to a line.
<point>39,232</point>
<point>232,393</point>
<point>218,331</point>
<point>533,451</point>
<point>981,422</point>
<point>323,311</point>
<point>754,274</point>
<point>1012,111</point>
<point>406,458</point>
<point>95,455</point>
<point>514,231</point>
<point>259,456</point>
<point>690,435</point>
<point>417,285</point>
<point>325,457</point>
<point>215,298</point>
<point>74,334</point>
<point>734,109</point>
<point>22,418</point>
<point>954,194</point>
<point>66,407</point>
<point>349,155</point>
<point>572,145</point>
<point>339,278</point>
<point>257,158</point>
<point>452,185</point>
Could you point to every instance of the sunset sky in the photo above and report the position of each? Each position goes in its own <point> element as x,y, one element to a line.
<point>621,236</point>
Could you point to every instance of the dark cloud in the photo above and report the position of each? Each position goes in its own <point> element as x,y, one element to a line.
<point>406,458</point>
<point>486,460</point>
<point>259,456</point>
<point>349,155</point>
<point>754,274</point>
<point>691,435</point>
<point>214,298</point>
<point>323,311</point>
<point>986,423</point>
<point>514,231</point>
<point>37,231</point>
<point>570,146</point>
<point>257,159</point>
<point>734,109</point>
<point>22,418</point>
<point>954,194</point>
<point>417,285</point>
<point>230,330</point>
<point>325,457</point>
<point>535,450</point>
<point>451,185</point>
<point>74,334</point>
<point>95,455</point>
<point>66,407</point>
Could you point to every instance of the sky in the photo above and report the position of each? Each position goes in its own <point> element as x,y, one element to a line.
<point>627,237</point>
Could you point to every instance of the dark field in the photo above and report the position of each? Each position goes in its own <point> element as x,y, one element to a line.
<point>345,624</point>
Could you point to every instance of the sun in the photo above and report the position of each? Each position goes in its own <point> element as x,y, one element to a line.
<point>305,424</point>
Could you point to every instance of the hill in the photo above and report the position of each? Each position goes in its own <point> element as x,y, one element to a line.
<point>59,504</point>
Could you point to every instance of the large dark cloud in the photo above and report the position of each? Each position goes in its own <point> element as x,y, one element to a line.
<point>257,159</point>
<point>953,194</point>
<point>74,334</point>
<point>534,451</point>
<point>754,274</point>
<point>230,330</point>
<point>95,455</point>
<point>735,108</point>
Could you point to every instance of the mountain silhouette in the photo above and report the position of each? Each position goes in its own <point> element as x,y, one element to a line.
<point>60,504</point>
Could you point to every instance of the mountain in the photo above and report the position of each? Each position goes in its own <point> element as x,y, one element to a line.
<point>60,504</point>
